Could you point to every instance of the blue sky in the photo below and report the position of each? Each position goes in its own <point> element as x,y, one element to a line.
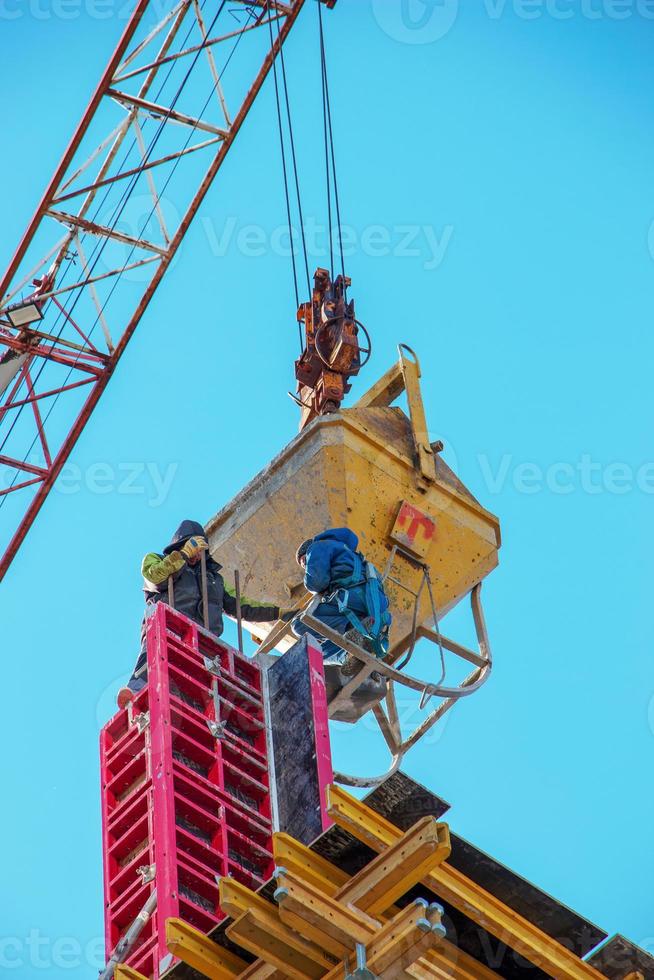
<point>495,168</point>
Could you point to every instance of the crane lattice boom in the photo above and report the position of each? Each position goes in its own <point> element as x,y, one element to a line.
<point>174,95</point>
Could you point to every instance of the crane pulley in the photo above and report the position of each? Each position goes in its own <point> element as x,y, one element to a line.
<point>333,352</point>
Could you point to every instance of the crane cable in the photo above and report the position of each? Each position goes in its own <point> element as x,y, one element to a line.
<point>287,193</point>
<point>330,158</point>
<point>330,164</point>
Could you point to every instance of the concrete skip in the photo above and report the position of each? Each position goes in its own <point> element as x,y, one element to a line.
<point>370,468</point>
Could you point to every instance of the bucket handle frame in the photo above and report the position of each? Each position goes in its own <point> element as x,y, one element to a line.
<point>405,375</point>
<point>389,720</point>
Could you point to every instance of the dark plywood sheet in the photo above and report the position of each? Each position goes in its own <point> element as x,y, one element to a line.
<point>619,957</point>
<point>294,745</point>
<point>555,919</point>
<point>403,801</point>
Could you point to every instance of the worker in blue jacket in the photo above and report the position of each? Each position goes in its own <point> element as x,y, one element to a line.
<point>353,597</point>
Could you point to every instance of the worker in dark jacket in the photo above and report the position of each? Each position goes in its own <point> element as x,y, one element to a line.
<point>181,563</point>
<point>353,601</point>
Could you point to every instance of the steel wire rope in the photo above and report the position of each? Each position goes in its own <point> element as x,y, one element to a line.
<point>287,194</point>
<point>330,154</point>
<point>286,190</point>
<point>294,158</point>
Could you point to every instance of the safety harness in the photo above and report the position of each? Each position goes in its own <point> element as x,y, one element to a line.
<point>378,619</point>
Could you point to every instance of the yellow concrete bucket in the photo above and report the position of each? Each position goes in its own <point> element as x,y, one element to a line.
<point>370,468</point>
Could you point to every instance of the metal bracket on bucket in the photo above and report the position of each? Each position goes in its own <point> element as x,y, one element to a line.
<point>405,376</point>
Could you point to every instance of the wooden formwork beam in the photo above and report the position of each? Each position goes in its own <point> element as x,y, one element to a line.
<point>459,891</point>
<point>235,898</point>
<point>205,956</point>
<point>342,923</point>
<point>323,913</point>
<point>388,876</point>
<point>306,864</point>
<point>312,932</point>
<point>397,869</point>
<point>267,937</point>
<point>261,971</point>
<point>127,973</point>
<point>257,927</point>
<point>446,961</point>
<point>400,941</point>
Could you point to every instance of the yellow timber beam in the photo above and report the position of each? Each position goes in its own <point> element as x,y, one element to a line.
<point>397,869</point>
<point>259,928</point>
<point>385,879</point>
<point>235,898</point>
<point>407,944</point>
<point>400,942</point>
<point>127,973</point>
<point>462,893</point>
<point>342,923</point>
<point>262,971</point>
<point>311,867</point>
<point>310,934</point>
<point>446,961</point>
<point>267,937</point>
<point>205,956</point>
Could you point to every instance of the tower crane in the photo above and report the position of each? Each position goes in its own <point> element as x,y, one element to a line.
<point>162,120</point>
<point>166,112</point>
<point>229,851</point>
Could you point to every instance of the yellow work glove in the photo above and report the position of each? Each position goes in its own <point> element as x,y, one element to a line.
<point>194,547</point>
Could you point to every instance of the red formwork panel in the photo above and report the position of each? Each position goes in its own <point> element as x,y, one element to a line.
<point>185,787</point>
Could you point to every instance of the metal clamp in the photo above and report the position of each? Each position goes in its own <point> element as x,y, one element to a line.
<point>141,721</point>
<point>146,872</point>
<point>212,664</point>
<point>361,972</point>
<point>217,728</point>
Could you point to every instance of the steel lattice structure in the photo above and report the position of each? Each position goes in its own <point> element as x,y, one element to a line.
<point>161,122</point>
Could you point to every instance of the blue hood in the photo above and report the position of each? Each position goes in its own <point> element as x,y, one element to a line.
<point>342,534</point>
